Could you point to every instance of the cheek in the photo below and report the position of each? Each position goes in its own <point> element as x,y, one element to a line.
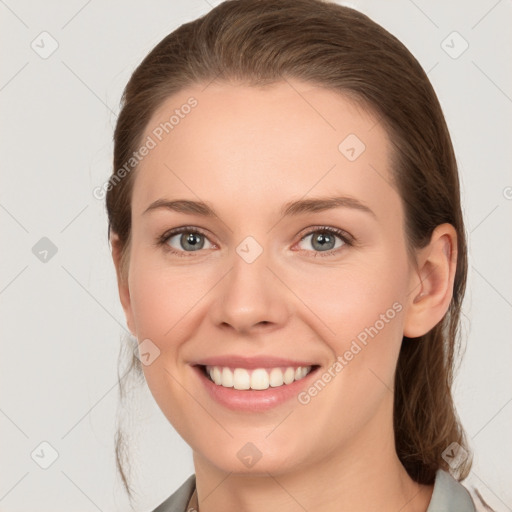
<point>163,309</point>
<point>361,321</point>
<point>358,310</point>
<point>349,297</point>
<point>160,301</point>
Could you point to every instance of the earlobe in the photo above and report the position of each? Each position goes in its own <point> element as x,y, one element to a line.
<point>432,282</point>
<point>122,281</point>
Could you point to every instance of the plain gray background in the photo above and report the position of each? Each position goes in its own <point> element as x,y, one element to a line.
<point>61,321</point>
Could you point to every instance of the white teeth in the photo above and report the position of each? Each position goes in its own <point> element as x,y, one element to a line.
<point>300,372</point>
<point>216,376</point>
<point>259,378</point>
<point>276,377</point>
<point>241,378</point>
<point>227,378</point>
<point>289,375</point>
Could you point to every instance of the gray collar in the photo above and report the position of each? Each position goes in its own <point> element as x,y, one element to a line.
<point>448,495</point>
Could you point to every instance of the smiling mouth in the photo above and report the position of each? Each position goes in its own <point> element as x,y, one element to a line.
<point>256,378</point>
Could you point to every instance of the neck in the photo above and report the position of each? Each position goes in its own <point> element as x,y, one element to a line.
<point>365,476</point>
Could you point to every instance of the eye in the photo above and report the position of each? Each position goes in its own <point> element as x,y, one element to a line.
<point>326,240</point>
<point>185,239</point>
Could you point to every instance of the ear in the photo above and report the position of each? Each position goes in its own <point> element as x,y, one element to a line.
<point>432,282</point>
<point>122,281</point>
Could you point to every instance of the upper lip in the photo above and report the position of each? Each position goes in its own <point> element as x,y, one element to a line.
<point>235,361</point>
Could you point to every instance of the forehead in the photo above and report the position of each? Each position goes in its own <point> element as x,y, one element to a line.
<point>259,144</point>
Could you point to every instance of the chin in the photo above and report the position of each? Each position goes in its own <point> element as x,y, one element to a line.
<point>258,458</point>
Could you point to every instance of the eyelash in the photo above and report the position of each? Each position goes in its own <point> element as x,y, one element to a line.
<point>347,239</point>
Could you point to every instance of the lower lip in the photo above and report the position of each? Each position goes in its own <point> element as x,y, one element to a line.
<point>252,399</point>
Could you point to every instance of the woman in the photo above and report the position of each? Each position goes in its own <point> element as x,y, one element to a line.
<point>286,228</point>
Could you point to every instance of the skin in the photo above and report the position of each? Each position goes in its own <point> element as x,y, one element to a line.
<point>247,151</point>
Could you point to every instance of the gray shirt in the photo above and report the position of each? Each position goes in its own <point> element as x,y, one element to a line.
<point>449,496</point>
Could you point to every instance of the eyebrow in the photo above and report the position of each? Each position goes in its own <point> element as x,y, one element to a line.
<point>291,208</point>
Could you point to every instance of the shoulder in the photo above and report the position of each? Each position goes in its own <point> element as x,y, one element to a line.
<point>178,501</point>
<point>449,495</point>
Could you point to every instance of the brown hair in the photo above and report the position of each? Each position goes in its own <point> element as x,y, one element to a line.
<point>261,42</point>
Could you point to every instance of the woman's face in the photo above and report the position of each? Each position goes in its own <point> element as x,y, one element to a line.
<point>262,285</point>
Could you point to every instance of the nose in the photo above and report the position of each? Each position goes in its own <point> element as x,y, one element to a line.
<point>250,297</point>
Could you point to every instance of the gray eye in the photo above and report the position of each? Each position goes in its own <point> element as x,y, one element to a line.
<point>322,241</point>
<point>188,241</point>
